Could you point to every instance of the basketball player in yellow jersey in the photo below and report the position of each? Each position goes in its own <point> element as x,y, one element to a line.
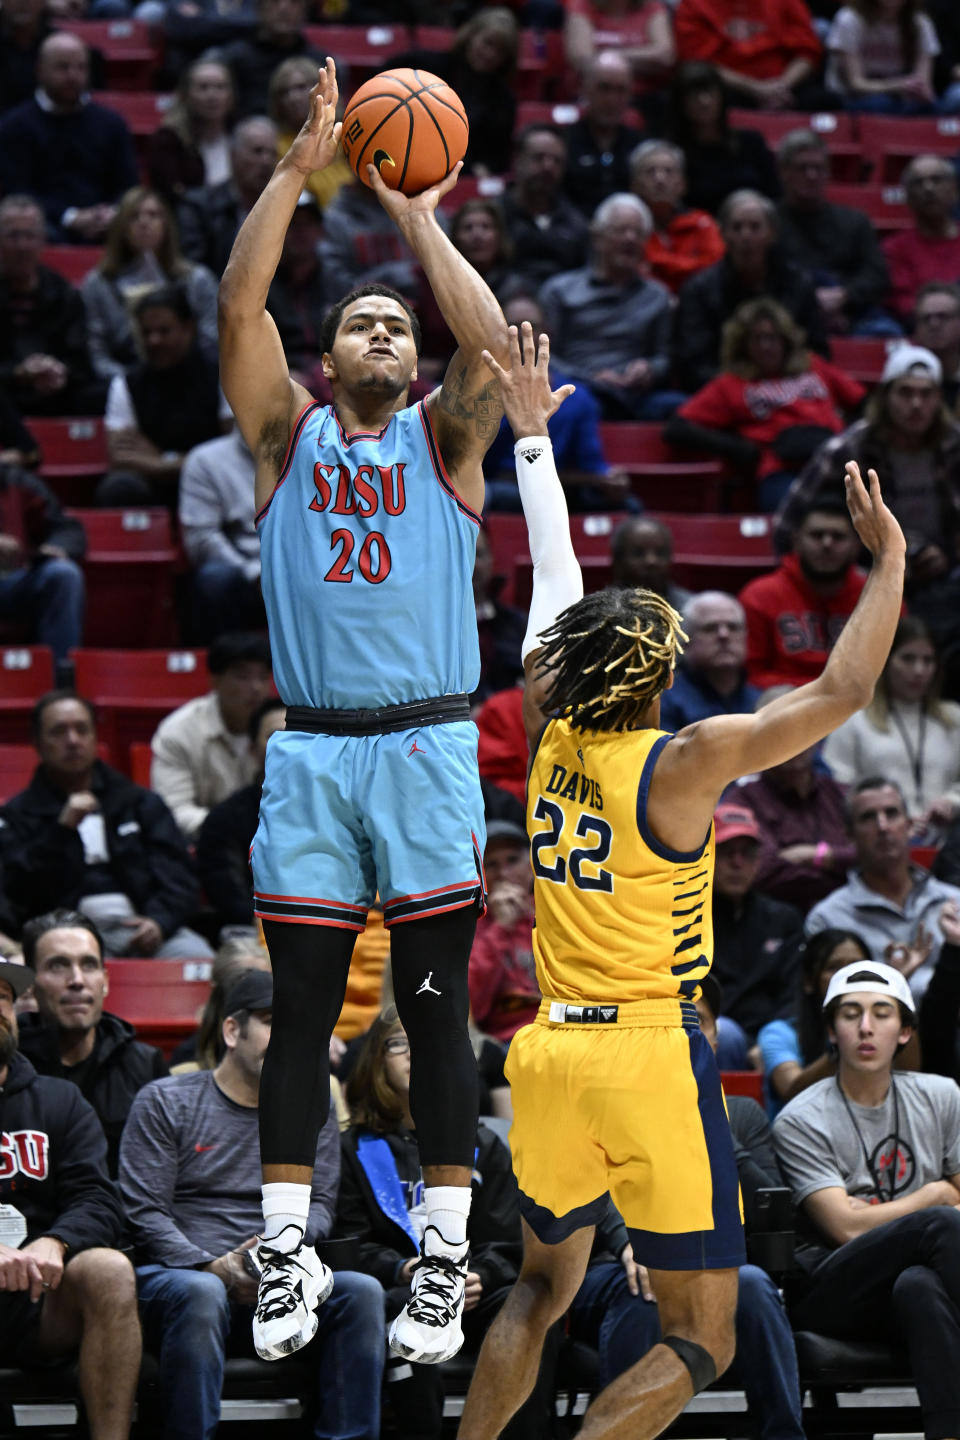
<point>614,1088</point>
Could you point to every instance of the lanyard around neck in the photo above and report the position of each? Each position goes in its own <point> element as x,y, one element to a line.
<point>877,1179</point>
<point>914,754</point>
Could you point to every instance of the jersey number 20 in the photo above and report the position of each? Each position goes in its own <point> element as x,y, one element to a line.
<point>373,558</point>
<point>593,855</point>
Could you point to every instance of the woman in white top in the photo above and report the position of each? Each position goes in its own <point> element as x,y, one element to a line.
<point>142,253</point>
<point>880,57</point>
<point>906,733</point>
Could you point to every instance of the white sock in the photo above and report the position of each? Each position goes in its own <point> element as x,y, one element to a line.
<point>448,1207</point>
<point>285,1205</point>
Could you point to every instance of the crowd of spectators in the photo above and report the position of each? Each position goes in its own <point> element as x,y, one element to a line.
<point>690,276</point>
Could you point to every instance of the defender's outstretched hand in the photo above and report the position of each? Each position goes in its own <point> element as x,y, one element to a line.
<point>316,144</point>
<point>400,207</point>
<point>525,387</point>
<point>873,522</point>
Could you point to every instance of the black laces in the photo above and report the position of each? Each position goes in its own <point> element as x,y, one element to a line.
<point>439,1286</point>
<point>279,1293</point>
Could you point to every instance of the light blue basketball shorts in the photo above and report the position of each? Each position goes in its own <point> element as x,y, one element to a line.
<point>345,818</point>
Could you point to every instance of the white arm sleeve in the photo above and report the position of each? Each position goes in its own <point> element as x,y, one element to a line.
<point>557,581</point>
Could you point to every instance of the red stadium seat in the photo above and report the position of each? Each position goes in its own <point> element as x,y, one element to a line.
<point>142,110</point>
<point>26,673</point>
<point>17,764</point>
<point>473,187</point>
<point>130,566</point>
<point>739,1082</point>
<point>129,48</point>
<point>885,205</point>
<point>73,262</point>
<point>664,478</point>
<point>718,552</point>
<point>141,758</point>
<point>73,453</point>
<point>162,999</point>
<point>863,357</point>
<point>836,130</point>
<point>134,689</point>
<point>366,49</point>
<point>889,142</point>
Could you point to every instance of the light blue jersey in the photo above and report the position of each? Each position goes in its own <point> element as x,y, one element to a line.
<point>367,567</point>
<point>368,559</point>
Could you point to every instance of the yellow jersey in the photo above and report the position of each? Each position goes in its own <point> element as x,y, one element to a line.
<point>619,917</point>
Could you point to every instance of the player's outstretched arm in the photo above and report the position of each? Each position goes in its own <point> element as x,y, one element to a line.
<point>253,367</point>
<point>557,582</point>
<point>716,751</point>
<point>466,409</point>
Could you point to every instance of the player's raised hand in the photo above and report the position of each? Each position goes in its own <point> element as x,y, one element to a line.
<point>319,136</point>
<point>873,522</point>
<point>525,385</point>
<point>401,207</point>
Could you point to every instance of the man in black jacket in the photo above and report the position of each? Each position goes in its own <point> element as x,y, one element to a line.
<point>753,266</point>
<point>84,836</point>
<point>44,358</point>
<point>835,243</point>
<point>71,1036</point>
<point>223,844</point>
<point>62,1284</point>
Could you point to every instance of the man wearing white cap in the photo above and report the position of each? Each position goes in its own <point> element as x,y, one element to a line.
<point>907,429</point>
<point>873,1161</point>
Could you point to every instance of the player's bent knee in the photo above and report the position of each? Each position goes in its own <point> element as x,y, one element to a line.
<point>698,1361</point>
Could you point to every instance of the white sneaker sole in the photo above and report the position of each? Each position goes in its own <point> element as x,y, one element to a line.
<point>277,1349</point>
<point>416,1351</point>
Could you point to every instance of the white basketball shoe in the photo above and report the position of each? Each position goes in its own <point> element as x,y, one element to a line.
<point>292,1284</point>
<point>428,1328</point>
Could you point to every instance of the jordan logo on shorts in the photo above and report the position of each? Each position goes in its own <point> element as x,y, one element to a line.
<point>415,750</point>
<point>426,988</point>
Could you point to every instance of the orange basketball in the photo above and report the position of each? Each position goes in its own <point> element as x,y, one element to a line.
<point>407,123</point>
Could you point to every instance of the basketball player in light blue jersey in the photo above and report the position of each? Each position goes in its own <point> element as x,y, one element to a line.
<point>368,513</point>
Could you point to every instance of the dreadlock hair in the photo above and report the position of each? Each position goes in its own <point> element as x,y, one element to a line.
<point>610,655</point>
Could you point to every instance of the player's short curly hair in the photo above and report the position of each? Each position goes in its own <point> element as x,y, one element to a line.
<point>609,656</point>
<point>331,321</point>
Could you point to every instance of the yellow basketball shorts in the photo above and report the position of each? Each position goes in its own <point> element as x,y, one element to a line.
<point>631,1107</point>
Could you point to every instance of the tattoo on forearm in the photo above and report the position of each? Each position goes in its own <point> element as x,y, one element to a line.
<point>481,409</point>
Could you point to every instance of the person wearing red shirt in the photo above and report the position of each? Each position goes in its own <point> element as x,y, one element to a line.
<point>930,251</point>
<point>773,402</point>
<point>502,747</point>
<point>763,49</point>
<point>795,614</point>
<point>683,241</point>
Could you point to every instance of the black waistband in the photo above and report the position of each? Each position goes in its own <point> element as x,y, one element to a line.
<point>440,710</point>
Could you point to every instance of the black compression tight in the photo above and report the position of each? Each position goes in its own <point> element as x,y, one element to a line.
<point>310,965</point>
<point>429,960</point>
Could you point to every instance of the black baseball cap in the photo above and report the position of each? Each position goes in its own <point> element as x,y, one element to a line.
<point>252,991</point>
<point>18,977</point>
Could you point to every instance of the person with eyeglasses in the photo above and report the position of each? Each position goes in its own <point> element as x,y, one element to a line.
<point>930,250</point>
<point>712,677</point>
<point>381,1205</point>
<point>936,327</point>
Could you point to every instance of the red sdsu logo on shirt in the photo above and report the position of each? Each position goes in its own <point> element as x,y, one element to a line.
<point>24,1152</point>
<point>763,397</point>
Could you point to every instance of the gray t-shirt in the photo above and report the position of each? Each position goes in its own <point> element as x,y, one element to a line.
<point>190,1172</point>
<point>820,1143</point>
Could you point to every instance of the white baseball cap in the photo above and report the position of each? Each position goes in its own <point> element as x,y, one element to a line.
<point>904,358</point>
<point>870,978</point>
